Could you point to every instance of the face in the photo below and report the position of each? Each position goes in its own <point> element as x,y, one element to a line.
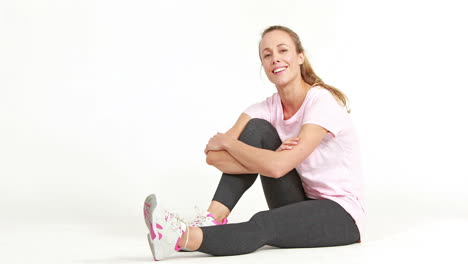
<point>280,60</point>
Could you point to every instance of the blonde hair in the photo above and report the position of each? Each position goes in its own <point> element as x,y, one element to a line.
<point>307,73</point>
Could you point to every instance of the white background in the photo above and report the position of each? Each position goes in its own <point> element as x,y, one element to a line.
<point>104,102</point>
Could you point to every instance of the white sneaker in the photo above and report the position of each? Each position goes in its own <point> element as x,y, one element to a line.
<point>165,229</point>
<point>203,218</point>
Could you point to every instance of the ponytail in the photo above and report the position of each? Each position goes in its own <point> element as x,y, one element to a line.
<point>309,76</point>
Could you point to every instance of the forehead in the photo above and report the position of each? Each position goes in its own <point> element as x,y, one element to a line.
<point>275,37</point>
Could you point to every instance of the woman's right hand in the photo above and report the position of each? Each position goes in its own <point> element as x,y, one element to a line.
<point>288,144</point>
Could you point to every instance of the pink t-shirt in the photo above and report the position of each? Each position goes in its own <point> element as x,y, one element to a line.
<point>333,169</point>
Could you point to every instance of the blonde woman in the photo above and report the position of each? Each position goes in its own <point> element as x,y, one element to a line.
<point>302,143</point>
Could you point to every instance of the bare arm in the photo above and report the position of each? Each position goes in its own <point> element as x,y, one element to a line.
<point>222,160</point>
<point>272,163</point>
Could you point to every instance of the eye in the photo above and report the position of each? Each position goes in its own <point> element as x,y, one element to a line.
<point>266,55</point>
<point>284,50</point>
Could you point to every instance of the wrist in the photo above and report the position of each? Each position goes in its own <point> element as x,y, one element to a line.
<point>228,143</point>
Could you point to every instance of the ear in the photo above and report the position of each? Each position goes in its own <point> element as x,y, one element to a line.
<point>301,58</point>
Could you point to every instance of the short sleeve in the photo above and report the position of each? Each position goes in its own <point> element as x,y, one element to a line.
<point>325,111</point>
<point>260,110</point>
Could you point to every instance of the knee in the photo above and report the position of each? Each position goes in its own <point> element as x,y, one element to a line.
<point>260,218</point>
<point>258,124</point>
<point>257,132</point>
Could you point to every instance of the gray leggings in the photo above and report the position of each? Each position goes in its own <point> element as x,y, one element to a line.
<point>293,221</point>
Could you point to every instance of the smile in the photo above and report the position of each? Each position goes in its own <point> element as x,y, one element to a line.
<point>278,70</point>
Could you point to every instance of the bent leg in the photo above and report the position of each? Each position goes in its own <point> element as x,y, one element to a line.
<point>258,133</point>
<point>281,191</point>
<point>278,192</point>
<point>312,223</point>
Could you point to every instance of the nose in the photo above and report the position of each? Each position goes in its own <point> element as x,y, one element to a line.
<point>275,59</point>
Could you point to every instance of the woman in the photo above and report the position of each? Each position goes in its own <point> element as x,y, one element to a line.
<point>302,143</point>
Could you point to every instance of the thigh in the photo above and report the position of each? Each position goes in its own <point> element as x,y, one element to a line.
<point>312,223</point>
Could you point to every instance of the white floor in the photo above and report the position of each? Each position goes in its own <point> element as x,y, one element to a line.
<point>399,232</point>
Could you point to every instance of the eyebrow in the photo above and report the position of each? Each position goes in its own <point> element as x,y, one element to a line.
<point>276,46</point>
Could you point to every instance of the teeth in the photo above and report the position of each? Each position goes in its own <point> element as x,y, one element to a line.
<point>279,69</point>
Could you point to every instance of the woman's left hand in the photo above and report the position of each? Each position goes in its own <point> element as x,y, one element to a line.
<point>217,142</point>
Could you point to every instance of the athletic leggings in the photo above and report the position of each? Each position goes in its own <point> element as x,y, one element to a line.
<point>293,221</point>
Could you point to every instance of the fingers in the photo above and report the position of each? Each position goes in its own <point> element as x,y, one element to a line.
<point>284,147</point>
<point>291,141</point>
<point>208,146</point>
<point>288,144</point>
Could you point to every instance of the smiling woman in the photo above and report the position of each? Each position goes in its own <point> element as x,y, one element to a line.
<point>289,41</point>
<point>302,143</point>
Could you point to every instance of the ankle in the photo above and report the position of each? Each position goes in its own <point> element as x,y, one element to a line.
<point>191,238</point>
<point>218,217</point>
<point>219,211</point>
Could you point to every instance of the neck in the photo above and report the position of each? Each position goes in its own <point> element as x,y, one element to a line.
<point>292,96</point>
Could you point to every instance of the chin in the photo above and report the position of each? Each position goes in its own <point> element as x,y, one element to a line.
<point>280,82</point>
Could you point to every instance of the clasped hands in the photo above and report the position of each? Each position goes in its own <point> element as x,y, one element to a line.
<point>218,142</point>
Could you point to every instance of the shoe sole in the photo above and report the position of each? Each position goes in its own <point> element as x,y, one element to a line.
<point>150,242</point>
<point>148,208</point>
